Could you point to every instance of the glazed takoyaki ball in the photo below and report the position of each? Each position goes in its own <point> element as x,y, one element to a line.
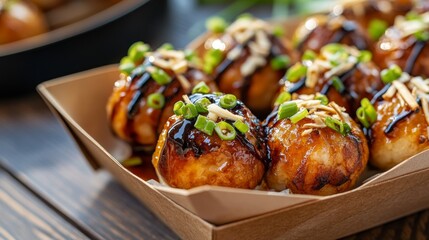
<point>187,156</point>
<point>309,158</point>
<point>342,73</point>
<point>401,127</point>
<point>19,20</point>
<point>406,45</point>
<point>317,31</point>
<point>248,62</point>
<point>140,105</point>
<point>375,16</point>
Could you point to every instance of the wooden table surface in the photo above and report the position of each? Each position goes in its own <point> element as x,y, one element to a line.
<point>48,191</point>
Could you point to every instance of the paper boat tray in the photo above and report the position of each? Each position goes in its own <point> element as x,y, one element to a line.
<point>218,212</point>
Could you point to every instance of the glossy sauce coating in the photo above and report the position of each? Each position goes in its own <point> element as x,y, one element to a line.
<point>321,163</point>
<point>317,31</point>
<point>186,157</point>
<point>405,139</point>
<point>132,119</point>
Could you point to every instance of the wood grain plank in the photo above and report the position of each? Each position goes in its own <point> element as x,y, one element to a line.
<point>36,149</point>
<point>23,216</point>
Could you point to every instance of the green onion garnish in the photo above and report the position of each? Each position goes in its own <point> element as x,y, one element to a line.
<point>299,115</point>
<point>323,99</point>
<point>132,162</point>
<point>225,131</point>
<point>287,110</point>
<point>309,55</point>
<point>338,84</point>
<point>245,16</point>
<point>280,62</point>
<point>283,97</point>
<point>160,76</point>
<point>216,24</point>
<point>205,125</point>
<point>412,15</point>
<point>189,111</point>
<point>137,51</point>
<point>177,108</point>
<point>391,74</point>
<point>201,87</point>
<point>211,59</point>
<point>126,67</point>
<point>422,36</point>
<point>156,100</point>
<point>337,125</point>
<point>366,113</point>
<point>296,72</point>
<point>167,46</point>
<point>332,48</point>
<point>241,126</point>
<point>278,31</point>
<point>376,28</point>
<point>202,104</point>
<point>364,56</point>
<point>228,101</point>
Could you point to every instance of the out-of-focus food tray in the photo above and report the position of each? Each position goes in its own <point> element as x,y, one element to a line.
<point>220,213</point>
<point>79,45</point>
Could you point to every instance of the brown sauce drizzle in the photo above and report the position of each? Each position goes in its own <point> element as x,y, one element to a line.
<point>380,93</point>
<point>397,118</point>
<point>415,52</point>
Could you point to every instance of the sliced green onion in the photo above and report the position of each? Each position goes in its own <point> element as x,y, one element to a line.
<point>218,93</point>
<point>156,100</point>
<point>241,126</point>
<point>287,110</point>
<point>245,16</point>
<point>391,74</point>
<point>337,125</point>
<point>280,62</point>
<point>216,24</point>
<point>309,55</point>
<point>278,31</point>
<point>167,46</point>
<point>296,72</point>
<point>366,113</point>
<point>126,67</point>
<point>412,15</point>
<point>201,87</point>
<point>332,48</point>
<point>211,59</point>
<point>189,111</point>
<point>132,162</point>
<point>225,131</point>
<point>202,104</point>
<point>299,115</point>
<point>160,76</point>
<point>189,54</point>
<point>137,51</point>
<point>228,101</point>
<point>205,125</point>
<point>177,108</point>
<point>283,97</point>
<point>338,84</point>
<point>323,99</point>
<point>422,36</point>
<point>376,28</point>
<point>364,56</point>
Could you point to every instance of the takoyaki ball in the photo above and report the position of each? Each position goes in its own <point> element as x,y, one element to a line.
<point>213,140</point>
<point>406,44</point>
<point>19,20</point>
<point>317,31</point>
<point>375,15</point>
<point>400,129</point>
<point>142,100</point>
<point>247,60</point>
<point>342,73</point>
<point>314,148</point>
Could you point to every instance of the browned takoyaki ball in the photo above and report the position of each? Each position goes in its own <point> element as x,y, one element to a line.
<point>187,157</point>
<point>342,73</point>
<point>317,31</point>
<point>309,157</point>
<point>140,105</point>
<point>401,129</point>
<point>244,66</point>
<point>406,45</point>
<point>19,20</point>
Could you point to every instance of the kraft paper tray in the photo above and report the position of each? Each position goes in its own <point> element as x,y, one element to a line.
<point>217,212</point>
